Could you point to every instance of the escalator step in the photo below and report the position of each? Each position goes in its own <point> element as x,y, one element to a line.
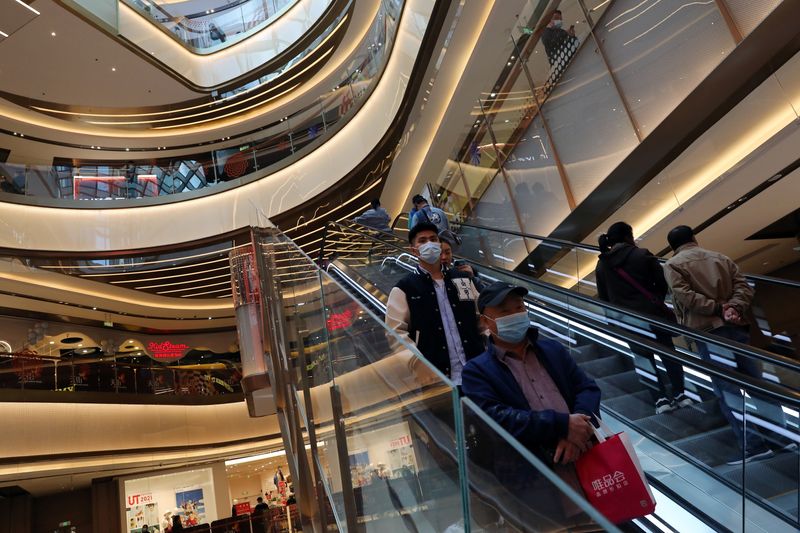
<point>620,384</point>
<point>632,406</point>
<point>770,478</point>
<point>607,366</point>
<point>686,423</point>
<point>712,448</point>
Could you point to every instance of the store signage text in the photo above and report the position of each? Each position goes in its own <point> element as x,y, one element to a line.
<point>166,350</point>
<point>140,499</point>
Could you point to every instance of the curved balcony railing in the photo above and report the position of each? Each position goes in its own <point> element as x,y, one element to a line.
<point>138,376</point>
<point>123,183</point>
<point>212,29</point>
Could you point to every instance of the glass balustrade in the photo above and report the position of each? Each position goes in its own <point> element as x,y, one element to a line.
<point>365,386</point>
<point>734,411</point>
<point>118,374</point>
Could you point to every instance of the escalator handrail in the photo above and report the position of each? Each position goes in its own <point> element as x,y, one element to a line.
<point>743,349</point>
<point>589,247</point>
<point>753,277</point>
<point>764,388</point>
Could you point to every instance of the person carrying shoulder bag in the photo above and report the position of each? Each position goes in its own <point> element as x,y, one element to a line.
<point>632,277</point>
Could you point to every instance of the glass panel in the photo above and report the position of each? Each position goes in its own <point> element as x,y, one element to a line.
<point>660,51</point>
<point>590,128</point>
<point>510,489</point>
<point>536,182</point>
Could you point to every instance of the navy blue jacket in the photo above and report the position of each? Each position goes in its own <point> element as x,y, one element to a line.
<point>489,383</point>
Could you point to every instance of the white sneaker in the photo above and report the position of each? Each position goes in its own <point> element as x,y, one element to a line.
<point>664,406</point>
<point>681,400</point>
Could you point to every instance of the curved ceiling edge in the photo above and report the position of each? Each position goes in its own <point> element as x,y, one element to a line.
<point>251,204</point>
<point>202,72</point>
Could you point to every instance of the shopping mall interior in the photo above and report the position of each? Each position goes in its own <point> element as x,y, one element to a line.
<point>195,329</point>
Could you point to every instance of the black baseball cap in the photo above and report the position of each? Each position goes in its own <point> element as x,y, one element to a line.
<point>418,199</point>
<point>495,293</point>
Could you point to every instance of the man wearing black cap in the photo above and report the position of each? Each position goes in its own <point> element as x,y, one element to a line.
<point>435,308</point>
<point>423,212</point>
<point>529,385</point>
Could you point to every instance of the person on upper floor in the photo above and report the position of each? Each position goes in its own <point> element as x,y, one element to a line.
<point>531,386</point>
<point>427,213</point>
<point>632,277</point>
<point>375,217</point>
<point>260,507</point>
<point>434,308</point>
<point>559,44</point>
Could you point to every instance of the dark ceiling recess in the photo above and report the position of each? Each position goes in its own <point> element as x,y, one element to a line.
<point>4,155</point>
<point>787,227</point>
<point>305,224</point>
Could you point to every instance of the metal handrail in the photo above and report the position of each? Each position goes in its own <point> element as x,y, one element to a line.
<point>753,277</point>
<point>743,349</point>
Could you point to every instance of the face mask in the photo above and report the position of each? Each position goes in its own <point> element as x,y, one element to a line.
<point>558,23</point>
<point>430,252</point>
<point>512,328</point>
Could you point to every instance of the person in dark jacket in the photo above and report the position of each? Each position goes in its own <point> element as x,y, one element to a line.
<point>434,308</point>
<point>534,389</point>
<point>632,277</point>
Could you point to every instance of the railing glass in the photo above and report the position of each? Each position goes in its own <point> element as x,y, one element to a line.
<point>118,375</point>
<point>370,387</point>
<point>734,416</point>
<point>572,266</point>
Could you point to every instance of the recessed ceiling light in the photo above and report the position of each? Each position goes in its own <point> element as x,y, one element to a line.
<point>26,6</point>
<point>53,33</point>
<point>113,69</point>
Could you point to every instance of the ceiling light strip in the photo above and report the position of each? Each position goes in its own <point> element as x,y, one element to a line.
<point>190,265</point>
<point>192,288</point>
<point>287,91</point>
<point>156,262</point>
<point>4,34</point>
<point>208,292</point>
<point>26,6</point>
<point>173,276</point>
<point>227,275</point>
<point>172,119</point>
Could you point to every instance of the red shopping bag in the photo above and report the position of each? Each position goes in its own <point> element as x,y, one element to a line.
<point>612,478</point>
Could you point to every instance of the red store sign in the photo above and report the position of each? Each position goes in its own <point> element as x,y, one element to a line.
<point>166,351</point>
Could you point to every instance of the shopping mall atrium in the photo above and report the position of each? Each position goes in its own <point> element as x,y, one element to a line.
<point>199,321</point>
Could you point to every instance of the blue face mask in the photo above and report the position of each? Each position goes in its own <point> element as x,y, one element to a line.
<point>430,252</point>
<point>512,328</point>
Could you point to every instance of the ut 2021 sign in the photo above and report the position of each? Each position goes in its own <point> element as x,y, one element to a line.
<point>140,499</point>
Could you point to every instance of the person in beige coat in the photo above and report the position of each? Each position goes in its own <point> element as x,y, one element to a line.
<point>711,294</point>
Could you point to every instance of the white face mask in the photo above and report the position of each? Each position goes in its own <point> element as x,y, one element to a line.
<point>558,23</point>
<point>430,252</point>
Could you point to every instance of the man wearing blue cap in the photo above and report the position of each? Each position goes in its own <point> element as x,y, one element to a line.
<point>531,386</point>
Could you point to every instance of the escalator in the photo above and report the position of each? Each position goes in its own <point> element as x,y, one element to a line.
<point>686,452</point>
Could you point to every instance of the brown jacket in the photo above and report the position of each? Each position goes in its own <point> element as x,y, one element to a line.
<point>701,281</point>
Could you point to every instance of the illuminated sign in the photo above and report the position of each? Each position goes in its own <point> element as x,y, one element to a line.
<point>166,350</point>
<point>341,320</point>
